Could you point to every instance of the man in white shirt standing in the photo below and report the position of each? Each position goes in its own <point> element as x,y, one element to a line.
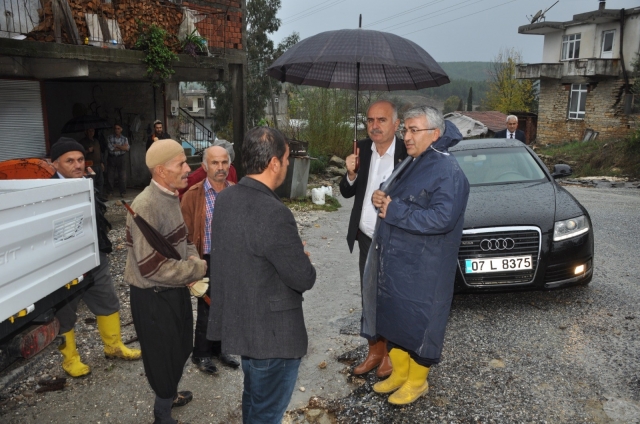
<point>512,130</point>
<point>378,155</point>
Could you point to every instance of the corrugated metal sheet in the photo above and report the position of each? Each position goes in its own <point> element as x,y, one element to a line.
<point>21,121</point>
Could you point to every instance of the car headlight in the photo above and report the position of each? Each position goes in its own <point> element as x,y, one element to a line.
<point>568,228</point>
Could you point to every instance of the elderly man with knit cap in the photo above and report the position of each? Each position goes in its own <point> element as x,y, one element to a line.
<point>67,157</point>
<point>160,300</point>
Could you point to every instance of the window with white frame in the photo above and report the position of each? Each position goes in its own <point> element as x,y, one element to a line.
<point>607,44</point>
<point>571,47</point>
<point>577,101</point>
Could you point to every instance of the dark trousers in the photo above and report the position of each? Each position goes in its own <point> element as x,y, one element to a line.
<point>364,243</point>
<point>425,362</point>
<point>164,323</point>
<point>202,347</point>
<point>100,297</point>
<point>117,168</point>
<point>268,385</point>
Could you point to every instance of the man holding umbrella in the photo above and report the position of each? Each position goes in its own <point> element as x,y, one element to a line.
<point>417,242</point>
<point>378,155</point>
<point>160,300</point>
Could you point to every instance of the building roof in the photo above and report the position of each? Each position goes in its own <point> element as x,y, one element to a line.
<point>595,16</point>
<point>493,119</point>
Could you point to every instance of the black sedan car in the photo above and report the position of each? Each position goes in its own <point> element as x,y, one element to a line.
<point>522,230</point>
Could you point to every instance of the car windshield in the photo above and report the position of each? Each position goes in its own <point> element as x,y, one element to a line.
<point>499,166</point>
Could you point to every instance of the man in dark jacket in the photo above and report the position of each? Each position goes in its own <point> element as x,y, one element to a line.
<point>259,271</point>
<point>422,218</point>
<point>512,130</point>
<point>67,157</point>
<point>378,155</point>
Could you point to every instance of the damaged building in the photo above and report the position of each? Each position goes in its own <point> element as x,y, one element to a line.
<point>60,59</point>
<point>586,75</point>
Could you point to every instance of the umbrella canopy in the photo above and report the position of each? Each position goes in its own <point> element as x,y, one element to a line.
<point>84,122</point>
<point>358,59</point>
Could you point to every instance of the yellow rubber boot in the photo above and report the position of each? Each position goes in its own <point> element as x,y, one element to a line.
<point>109,327</point>
<point>400,363</point>
<point>415,386</point>
<point>72,364</point>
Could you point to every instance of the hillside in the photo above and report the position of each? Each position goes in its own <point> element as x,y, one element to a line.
<point>470,71</point>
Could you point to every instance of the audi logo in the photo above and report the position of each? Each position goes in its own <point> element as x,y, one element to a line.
<point>497,244</point>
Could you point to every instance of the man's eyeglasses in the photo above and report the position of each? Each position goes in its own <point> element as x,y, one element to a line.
<point>404,131</point>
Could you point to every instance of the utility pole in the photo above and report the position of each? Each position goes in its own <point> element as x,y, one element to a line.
<point>273,104</point>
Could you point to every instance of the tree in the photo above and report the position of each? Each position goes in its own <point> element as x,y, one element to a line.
<point>460,105</point>
<point>451,104</point>
<point>506,93</point>
<point>470,100</point>
<point>261,22</point>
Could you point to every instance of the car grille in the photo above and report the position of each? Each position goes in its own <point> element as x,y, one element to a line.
<point>527,242</point>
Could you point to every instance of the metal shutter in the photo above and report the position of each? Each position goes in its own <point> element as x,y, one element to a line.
<point>21,122</point>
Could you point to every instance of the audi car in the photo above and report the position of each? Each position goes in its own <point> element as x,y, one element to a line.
<point>522,230</point>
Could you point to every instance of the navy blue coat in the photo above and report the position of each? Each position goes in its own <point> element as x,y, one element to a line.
<point>418,243</point>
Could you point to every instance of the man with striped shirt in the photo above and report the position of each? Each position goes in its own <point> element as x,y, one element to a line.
<point>197,209</point>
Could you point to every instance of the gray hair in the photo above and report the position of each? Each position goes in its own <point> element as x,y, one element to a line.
<point>512,117</point>
<point>227,145</point>
<point>204,155</point>
<point>433,116</point>
<point>394,115</point>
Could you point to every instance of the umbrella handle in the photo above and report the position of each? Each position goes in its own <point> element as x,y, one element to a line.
<point>128,208</point>
<point>355,152</point>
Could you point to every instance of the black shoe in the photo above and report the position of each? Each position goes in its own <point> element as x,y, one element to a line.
<point>228,360</point>
<point>182,399</point>
<point>205,365</point>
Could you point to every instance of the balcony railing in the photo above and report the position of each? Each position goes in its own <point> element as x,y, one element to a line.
<point>570,68</point>
<point>194,132</point>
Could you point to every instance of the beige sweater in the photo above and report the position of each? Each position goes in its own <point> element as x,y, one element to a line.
<point>145,266</point>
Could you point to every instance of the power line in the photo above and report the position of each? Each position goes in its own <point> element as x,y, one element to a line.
<point>312,12</point>
<point>432,15</point>
<point>442,23</point>
<point>388,18</point>
<point>305,10</point>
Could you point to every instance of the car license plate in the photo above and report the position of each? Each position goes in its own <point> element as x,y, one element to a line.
<point>507,263</point>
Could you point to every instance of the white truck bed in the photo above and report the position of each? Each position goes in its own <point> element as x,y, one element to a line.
<point>47,238</point>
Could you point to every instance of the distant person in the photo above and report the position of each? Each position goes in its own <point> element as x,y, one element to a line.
<point>157,134</point>
<point>512,130</point>
<point>160,300</point>
<point>92,153</point>
<point>118,146</point>
<point>259,272</point>
<point>197,206</point>
<point>67,157</point>
<point>378,154</point>
<point>418,238</point>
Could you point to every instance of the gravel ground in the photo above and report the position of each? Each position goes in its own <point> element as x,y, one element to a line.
<point>560,356</point>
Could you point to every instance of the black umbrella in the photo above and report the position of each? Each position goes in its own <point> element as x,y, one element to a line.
<point>157,240</point>
<point>84,122</point>
<point>358,59</point>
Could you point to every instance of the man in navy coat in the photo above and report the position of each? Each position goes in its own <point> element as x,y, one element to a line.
<point>422,218</point>
<point>512,130</point>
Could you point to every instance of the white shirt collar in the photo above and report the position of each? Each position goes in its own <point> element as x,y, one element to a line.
<point>173,193</point>
<point>390,151</point>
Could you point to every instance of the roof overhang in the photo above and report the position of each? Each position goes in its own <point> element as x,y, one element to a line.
<point>47,61</point>
<point>541,28</point>
<point>593,17</point>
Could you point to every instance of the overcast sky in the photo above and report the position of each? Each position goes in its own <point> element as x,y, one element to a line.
<point>449,30</point>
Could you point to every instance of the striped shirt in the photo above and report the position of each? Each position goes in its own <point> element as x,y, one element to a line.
<point>113,141</point>
<point>209,201</point>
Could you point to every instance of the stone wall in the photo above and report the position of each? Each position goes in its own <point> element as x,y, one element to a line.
<point>603,112</point>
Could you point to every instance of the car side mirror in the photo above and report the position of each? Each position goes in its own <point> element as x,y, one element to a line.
<point>560,170</point>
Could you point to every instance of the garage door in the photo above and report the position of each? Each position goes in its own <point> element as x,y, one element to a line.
<point>21,121</point>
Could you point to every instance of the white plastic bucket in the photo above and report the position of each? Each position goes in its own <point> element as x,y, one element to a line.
<point>317,195</point>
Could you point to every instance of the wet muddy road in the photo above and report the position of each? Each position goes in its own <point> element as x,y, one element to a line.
<point>562,356</point>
